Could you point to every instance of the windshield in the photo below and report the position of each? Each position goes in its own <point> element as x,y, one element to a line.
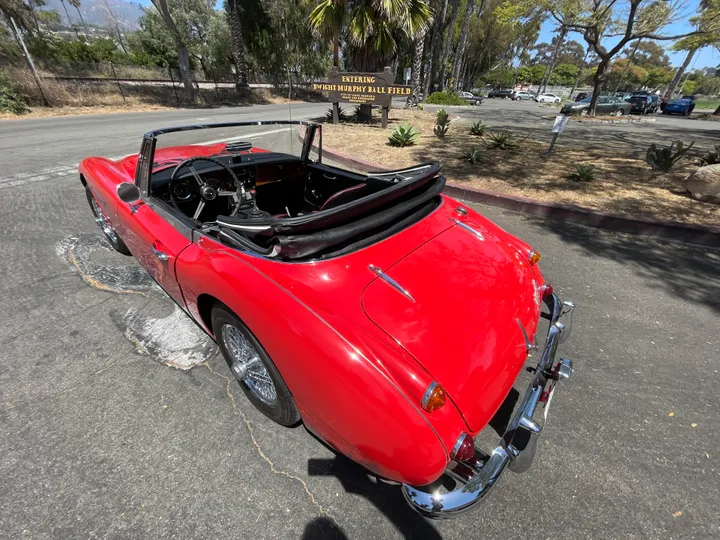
<point>173,146</point>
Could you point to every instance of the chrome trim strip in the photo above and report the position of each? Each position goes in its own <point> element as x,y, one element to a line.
<point>468,228</point>
<point>426,395</point>
<point>390,281</point>
<point>517,446</point>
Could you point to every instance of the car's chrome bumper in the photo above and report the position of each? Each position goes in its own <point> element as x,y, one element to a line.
<point>517,446</point>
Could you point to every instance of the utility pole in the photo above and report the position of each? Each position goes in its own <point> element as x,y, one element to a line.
<point>27,56</point>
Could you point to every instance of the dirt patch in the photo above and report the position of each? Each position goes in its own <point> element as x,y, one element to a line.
<point>623,183</point>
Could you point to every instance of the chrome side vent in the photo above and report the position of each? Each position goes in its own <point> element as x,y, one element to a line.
<point>390,281</point>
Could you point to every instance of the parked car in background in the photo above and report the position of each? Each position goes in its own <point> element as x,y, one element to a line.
<point>523,95</point>
<point>642,104</point>
<point>678,106</point>
<point>581,96</point>
<point>547,98</point>
<point>503,94</point>
<point>606,105</point>
<point>471,98</point>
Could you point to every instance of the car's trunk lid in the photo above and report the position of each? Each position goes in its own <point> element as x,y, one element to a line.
<point>460,321</point>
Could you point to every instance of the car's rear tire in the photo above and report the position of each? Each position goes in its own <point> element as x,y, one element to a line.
<point>619,112</point>
<point>252,367</point>
<point>105,226</point>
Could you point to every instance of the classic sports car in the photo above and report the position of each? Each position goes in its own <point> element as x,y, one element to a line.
<point>388,318</point>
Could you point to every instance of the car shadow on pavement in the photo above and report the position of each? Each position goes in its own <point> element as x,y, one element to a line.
<point>686,272</point>
<point>323,528</point>
<point>386,498</point>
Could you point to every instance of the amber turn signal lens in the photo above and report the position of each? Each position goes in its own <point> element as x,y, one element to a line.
<point>534,257</point>
<point>434,397</point>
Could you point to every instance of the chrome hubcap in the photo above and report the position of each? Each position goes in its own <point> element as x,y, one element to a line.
<point>246,365</point>
<point>101,220</point>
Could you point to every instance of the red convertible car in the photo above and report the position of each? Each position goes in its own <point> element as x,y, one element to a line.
<point>388,318</point>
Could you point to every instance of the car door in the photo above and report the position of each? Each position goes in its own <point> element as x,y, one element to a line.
<point>604,106</point>
<point>155,236</point>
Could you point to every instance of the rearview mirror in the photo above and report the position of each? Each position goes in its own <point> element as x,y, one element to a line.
<point>128,192</point>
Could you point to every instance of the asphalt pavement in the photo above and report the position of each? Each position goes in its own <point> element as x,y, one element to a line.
<point>99,437</point>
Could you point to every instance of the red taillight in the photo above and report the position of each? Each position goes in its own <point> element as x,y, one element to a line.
<point>464,448</point>
<point>546,290</point>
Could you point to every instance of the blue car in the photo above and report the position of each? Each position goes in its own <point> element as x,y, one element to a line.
<point>678,106</point>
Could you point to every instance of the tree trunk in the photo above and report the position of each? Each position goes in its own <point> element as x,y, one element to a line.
<point>627,66</point>
<point>462,43</point>
<point>417,65</point>
<point>598,80</point>
<point>69,19</point>
<point>577,79</point>
<point>447,45</point>
<point>551,65</point>
<point>336,48</point>
<point>437,35</point>
<point>180,47</point>
<point>679,73</point>
<point>82,21</point>
<point>237,43</point>
<point>717,111</point>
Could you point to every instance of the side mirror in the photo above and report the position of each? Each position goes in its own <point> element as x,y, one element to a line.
<point>128,192</point>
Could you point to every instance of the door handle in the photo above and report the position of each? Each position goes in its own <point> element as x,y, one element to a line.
<point>159,254</point>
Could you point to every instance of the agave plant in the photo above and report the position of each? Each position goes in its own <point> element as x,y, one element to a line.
<point>342,115</point>
<point>442,123</point>
<point>478,129</point>
<point>711,158</point>
<point>474,155</point>
<point>663,158</point>
<point>403,135</point>
<point>498,140</point>
<point>583,172</point>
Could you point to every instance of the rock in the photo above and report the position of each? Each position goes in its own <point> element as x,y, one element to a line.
<point>704,184</point>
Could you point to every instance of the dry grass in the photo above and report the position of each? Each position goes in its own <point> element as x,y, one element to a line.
<point>70,97</point>
<point>623,184</point>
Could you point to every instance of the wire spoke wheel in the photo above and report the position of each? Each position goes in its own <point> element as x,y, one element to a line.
<point>102,221</point>
<point>247,366</point>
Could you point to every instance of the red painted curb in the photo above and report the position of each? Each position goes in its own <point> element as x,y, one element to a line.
<point>691,234</point>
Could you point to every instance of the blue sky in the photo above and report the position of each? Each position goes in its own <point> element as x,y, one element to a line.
<point>709,56</point>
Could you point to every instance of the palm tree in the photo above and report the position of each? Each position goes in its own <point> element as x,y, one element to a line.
<point>460,52</point>
<point>69,19</point>
<point>76,5</point>
<point>237,43</point>
<point>327,20</point>
<point>372,28</point>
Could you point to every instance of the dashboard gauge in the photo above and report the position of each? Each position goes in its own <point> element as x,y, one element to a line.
<point>182,191</point>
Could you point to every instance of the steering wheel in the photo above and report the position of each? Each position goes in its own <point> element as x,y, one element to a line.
<point>209,189</point>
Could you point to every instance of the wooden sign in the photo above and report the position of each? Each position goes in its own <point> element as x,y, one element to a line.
<point>362,88</point>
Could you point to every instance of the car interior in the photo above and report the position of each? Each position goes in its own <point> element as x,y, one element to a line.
<point>283,206</point>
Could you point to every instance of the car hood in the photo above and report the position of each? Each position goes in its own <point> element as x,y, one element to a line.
<point>467,298</point>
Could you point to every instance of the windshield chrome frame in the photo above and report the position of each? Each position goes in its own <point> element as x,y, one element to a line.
<point>147,150</point>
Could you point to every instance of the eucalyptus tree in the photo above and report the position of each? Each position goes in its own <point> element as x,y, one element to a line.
<point>624,20</point>
<point>180,48</point>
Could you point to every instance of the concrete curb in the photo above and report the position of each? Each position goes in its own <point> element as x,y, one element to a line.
<point>616,120</point>
<point>669,230</point>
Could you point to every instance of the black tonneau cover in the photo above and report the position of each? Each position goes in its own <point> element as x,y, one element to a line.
<point>409,192</point>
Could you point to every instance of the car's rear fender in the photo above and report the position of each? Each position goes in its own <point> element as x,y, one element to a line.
<point>354,404</point>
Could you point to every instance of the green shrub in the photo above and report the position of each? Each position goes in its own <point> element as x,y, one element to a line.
<point>421,107</point>
<point>711,158</point>
<point>474,155</point>
<point>10,100</point>
<point>442,123</point>
<point>403,135</point>
<point>445,98</point>
<point>478,129</point>
<point>663,158</point>
<point>342,115</point>
<point>583,173</point>
<point>498,140</point>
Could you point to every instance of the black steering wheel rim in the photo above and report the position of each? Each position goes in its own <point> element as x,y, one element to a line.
<point>202,184</point>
